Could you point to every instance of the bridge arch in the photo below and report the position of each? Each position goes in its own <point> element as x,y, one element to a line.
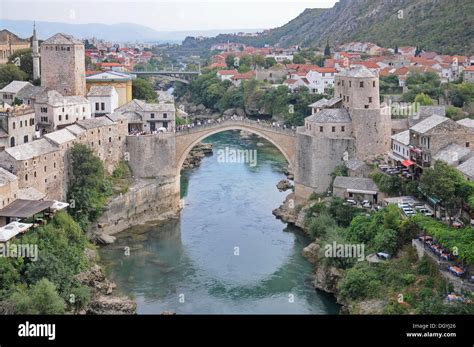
<point>284,141</point>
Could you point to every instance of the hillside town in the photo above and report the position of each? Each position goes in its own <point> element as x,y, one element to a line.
<point>369,136</point>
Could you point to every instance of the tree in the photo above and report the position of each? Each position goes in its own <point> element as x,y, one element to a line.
<point>443,182</point>
<point>9,73</point>
<point>298,59</point>
<point>25,57</point>
<point>423,100</point>
<point>455,113</point>
<point>327,49</point>
<point>230,61</point>
<point>42,298</point>
<point>269,62</point>
<point>143,90</point>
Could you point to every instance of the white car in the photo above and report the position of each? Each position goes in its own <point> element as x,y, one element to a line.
<point>366,204</point>
<point>351,202</point>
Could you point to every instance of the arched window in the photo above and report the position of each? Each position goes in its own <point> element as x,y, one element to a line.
<point>25,139</point>
<point>12,142</point>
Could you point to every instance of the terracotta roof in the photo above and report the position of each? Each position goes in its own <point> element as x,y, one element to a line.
<point>228,72</point>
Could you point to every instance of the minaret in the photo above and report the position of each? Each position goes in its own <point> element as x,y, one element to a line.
<point>36,55</point>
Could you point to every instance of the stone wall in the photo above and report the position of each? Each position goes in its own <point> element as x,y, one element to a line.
<point>316,159</point>
<point>147,200</point>
<point>152,155</point>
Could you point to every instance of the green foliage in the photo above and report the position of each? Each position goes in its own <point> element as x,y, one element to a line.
<point>455,113</point>
<point>142,89</point>
<point>9,73</point>
<point>461,94</point>
<point>427,83</point>
<point>423,100</point>
<point>41,298</point>
<point>298,59</point>
<point>79,297</point>
<point>444,182</point>
<point>360,282</point>
<point>321,225</point>
<point>88,188</point>
<point>342,213</point>
<point>26,61</point>
<point>390,184</point>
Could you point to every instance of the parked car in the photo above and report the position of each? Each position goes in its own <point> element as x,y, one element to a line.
<point>383,255</point>
<point>366,204</point>
<point>351,202</point>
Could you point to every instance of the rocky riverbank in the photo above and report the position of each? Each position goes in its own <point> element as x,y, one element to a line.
<point>196,155</point>
<point>103,300</point>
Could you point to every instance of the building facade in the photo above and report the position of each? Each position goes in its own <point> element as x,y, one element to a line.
<point>63,65</point>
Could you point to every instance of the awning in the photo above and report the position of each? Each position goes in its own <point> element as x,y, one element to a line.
<point>8,232</point>
<point>25,208</point>
<point>360,191</point>
<point>407,163</point>
<point>58,205</point>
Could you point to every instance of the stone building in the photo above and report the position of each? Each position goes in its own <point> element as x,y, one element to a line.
<point>435,134</point>
<point>17,126</point>
<point>103,100</point>
<point>43,163</point>
<point>351,125</point>
<point>55,111</point>
<point>121,81</point>
<point>8,188</point>
<point>9,93</point>
<point>9,43</point>
<point>149,117</point>
<point>63,65</point>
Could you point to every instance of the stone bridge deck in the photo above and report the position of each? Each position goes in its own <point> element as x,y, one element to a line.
<point>283,139</point>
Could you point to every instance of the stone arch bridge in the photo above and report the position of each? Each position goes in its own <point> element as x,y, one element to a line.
<point>283,139</point>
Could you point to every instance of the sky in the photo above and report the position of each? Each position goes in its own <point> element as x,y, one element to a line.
<point>164,15</point>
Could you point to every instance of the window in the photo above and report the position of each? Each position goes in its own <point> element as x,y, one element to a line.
<point>60,117</point>
<point>25,139</point>
<point>321,129</point>
<point>350,84</point>
<point>373,84</point>
<point>45,168</point>
<point>347,98</point>
<point>370,99</point>
<point>102,106</point>
<point>14,125</point>
<point>26,177</point>
<point>32,121</point>
<point>333,129</point>
<point>110,139</point>
<point>343,83</point>
<point>152,115</point>
<point>343,128</point>
<point>366,106</point>
<point>21,124</point>
<point>97,106</point>
<point>67,117</point>
<point>165,115</point>
<point>361,84</point>
<point>63,109</point>
<point>467,144</point>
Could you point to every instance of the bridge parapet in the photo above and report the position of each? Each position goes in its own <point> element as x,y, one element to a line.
<point>237,122</point>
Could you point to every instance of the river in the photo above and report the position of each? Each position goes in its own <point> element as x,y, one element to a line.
<point>227,253</point>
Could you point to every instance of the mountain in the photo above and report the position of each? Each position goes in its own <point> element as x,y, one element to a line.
<point>121,32</point>
<point>446,26</point>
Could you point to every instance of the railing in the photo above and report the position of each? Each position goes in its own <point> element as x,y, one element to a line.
<point>239,121</point>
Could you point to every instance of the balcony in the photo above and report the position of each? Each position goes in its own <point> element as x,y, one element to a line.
<point>417,154</point>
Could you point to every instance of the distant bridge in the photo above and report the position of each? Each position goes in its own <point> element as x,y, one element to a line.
<point>176,75</point>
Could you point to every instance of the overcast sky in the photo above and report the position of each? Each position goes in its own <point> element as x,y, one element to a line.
<point>164,15</point>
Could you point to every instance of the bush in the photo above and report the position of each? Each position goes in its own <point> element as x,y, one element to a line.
<point>42,298</point>
<point>359,282</point>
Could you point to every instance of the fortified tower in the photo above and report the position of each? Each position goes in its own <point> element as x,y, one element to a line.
<point>63,65</point>
<point>350,125</point>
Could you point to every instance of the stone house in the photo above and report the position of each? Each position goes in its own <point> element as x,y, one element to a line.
<point>17,126</point>
<point>55,111</point>
<point>103,100</point>
<point>121,81</point>
<point>8,94</point>
<point>357,188</point>
<point>434,134</point>
<point>469,74</point>
<point>9,43</point>
<point>148,117</point>
<point>43,163</point>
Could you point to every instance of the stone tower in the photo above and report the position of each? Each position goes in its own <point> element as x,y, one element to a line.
<point>63,65</point>
<point>371,125</point>
<point>36,56</point>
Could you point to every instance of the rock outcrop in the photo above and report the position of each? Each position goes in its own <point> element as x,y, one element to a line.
<point>196,155</point>
<point>284,185</point>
